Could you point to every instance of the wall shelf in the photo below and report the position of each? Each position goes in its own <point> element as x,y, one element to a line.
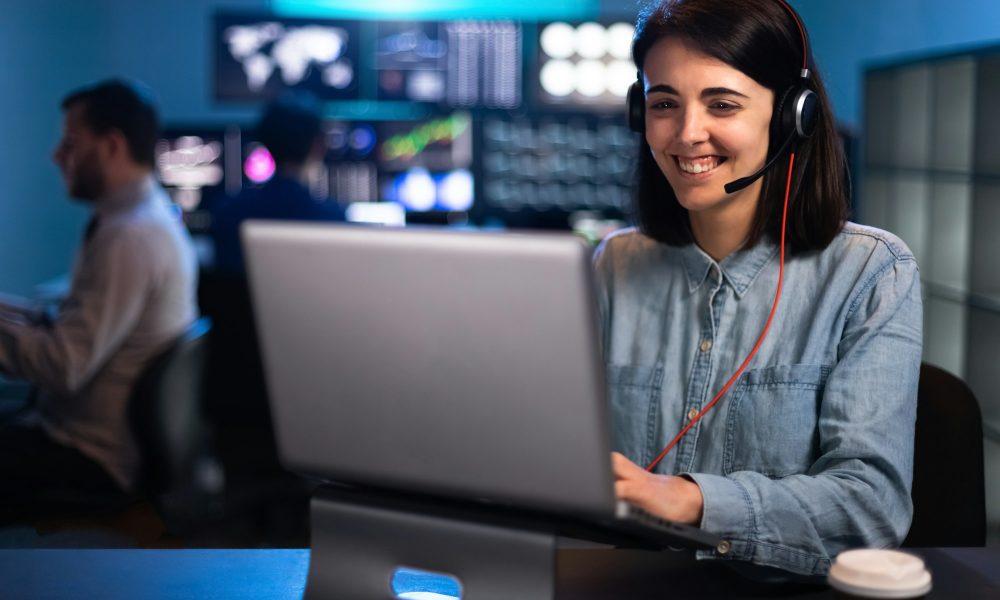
<point>952,293</point>
<point>935,175</point>
<point>931,175</point>
<point>991,429</point>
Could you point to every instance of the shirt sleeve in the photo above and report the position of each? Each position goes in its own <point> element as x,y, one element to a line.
<point>14,308</point>
<point>104,304</point>
<point>857,493</point>
<point>602,280</point>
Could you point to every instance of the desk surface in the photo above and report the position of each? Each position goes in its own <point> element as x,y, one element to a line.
<point>281,575</point>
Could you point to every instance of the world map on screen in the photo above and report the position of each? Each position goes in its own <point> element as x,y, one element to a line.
<point>293,53</point>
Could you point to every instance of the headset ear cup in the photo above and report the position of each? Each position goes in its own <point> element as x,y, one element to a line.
<point>806,109</point>
<point>783,118</point>
<point>794,114</point>
<point>636,106</point>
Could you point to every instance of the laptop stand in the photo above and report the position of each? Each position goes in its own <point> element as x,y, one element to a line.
<point>360,539</point>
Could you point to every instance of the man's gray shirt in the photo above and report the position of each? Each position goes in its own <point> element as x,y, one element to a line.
<point>133,291</point>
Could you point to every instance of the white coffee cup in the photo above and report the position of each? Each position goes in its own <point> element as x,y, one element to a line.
<point>872,573</point>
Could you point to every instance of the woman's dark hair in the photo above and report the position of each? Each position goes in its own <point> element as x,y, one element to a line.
<point>761,39</point>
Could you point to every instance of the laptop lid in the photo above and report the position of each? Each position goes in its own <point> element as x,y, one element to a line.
<point>462,364</point>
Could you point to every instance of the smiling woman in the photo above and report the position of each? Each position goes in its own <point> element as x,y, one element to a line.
<point>706,124</point>
<point>809,446</point>
<point>763,47</point>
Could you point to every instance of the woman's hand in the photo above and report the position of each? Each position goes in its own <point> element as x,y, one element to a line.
<point>667,496</point>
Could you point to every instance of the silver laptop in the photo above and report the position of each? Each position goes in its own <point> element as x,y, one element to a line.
<point>459,365</point>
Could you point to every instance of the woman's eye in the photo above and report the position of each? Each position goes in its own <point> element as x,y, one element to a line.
<point>664,104</point>
<point>723,106</point>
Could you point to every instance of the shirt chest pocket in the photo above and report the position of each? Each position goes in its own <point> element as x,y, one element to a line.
<point>634,395</point>
<point>772,425</point>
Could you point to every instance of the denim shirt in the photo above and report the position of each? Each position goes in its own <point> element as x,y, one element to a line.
<point>810,452</point>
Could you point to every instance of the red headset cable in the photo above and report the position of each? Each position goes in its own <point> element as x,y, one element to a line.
<point>746,361</point>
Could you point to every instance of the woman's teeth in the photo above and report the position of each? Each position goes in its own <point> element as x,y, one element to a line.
<point>698,165</point>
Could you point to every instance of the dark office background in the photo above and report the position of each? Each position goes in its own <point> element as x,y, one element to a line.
<point>48,47</point>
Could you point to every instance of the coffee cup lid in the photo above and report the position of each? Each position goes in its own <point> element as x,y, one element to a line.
<point>873,573</point>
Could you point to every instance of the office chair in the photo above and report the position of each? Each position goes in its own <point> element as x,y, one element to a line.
<point>166,411</point>
<point>949,497</point>
<point>179,481</point>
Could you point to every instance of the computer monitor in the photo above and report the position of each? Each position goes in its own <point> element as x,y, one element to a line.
<point>453,63</point>
<point>584,65</point>
<point>258,57</point>
<point>347,172</point>
<point>411,61</point>
<point>537,170</point>
<point>427,165</point>
<point>195,163</point>
<point>350,162</point>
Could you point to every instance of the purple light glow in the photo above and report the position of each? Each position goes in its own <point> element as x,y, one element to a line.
<point>259,165</point>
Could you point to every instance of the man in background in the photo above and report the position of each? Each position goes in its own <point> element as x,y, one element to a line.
<point>132,293</point>
<point>291,129</point>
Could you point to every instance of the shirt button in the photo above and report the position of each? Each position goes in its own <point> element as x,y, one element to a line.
<point>706,345</point>
<point>724,547</point>
<point>692,414</point>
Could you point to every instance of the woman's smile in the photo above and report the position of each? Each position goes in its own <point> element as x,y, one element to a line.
<point>698,165</point>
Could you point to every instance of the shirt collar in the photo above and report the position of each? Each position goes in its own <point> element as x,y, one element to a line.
<point>125,196</point>
<point>739,269</point>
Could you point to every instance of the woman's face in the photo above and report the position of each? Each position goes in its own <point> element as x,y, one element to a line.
<point>706,124</point>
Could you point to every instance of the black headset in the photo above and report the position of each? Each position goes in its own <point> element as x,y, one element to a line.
<point>795,109</point>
